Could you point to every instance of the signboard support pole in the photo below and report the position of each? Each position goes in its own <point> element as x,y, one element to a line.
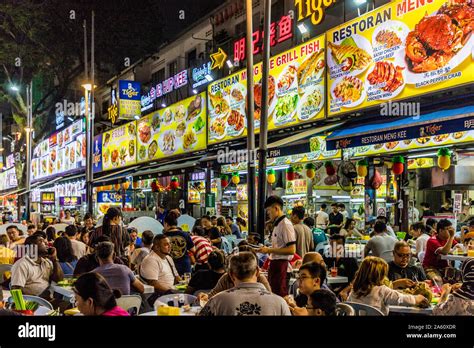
<point>250,121</point>
<point>29,125</point>
<point>404,197</point>
<point>262,158</point>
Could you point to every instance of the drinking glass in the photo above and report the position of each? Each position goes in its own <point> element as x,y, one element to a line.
<point>187,277</point>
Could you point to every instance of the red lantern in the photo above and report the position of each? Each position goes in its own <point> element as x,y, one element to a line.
<point>224,181</point>
<point>174,184</point>
<point>398,166</point>
<point>154,186</point>
<point>330,170</point>
<point>290,173</point>
<point>135,185</point>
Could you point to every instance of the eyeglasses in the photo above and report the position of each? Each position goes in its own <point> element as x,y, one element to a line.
<point>302,277</point>
<point>403,256</point>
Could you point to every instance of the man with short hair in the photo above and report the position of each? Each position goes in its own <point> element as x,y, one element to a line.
<point>15,236</point>
<point>400,272</point>
<point>235,229</point>
<point>88,223</point>
<point>140,253</point>
<point>322,302</point>
<point>199,254</point>
<point>336,219</point>
<point>438,245</point>
<point>79,248</point>
<point>336,256</point>
<point>381,244</point>
<point>283,246</point>
<point>214,220</point>
<point>68,219</point>
<point>389,229</point>
<point>304,236</point>
<point>343,211</point>
<point>322,218</point>
<point>426,207</point>
<point>158,268</point>
<point>247,297</point>
<point>31,230</point>
<point>34,272</point>
<point>118,276</point>
<point>212,232</point>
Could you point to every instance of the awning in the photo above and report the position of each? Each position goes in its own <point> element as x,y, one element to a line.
<point>168,167</point>
<point>17,192</point>
<point>116,175</point>
<point>402,128</point>
<point>303,135</point>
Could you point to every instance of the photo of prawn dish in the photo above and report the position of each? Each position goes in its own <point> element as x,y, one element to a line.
<point>236,121</point>
<point>144,132</point>
<point>287,81</point>
<point>349,91</point>
<point>440,138</point>
<point>349,56</point>
<point>387,39</point>
<point>385,77</point>
<point>311,69</point>
<point>257,92</point>
<point>441,38</point>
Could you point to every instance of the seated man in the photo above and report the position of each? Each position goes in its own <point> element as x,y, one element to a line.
<point>336,256</point>
<point>34,272</point>
<point>158,268</point>
<point>117,276</point>
<point>248,297</point>
<point>438,245</point>
<point>400,272</point>
<point>90,262</point>
<point>322,303</point>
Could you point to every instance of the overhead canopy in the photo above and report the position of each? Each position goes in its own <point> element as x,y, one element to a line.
<point>167,167</point>
<point>401,128</point>
<point>115,176</point>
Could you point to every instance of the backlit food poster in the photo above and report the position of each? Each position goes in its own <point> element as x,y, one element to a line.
<point>118,147</point>
<point>400,50</point>
<point>296,93</point>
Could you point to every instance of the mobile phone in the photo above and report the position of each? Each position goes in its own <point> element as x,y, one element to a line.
<point>50,251</point>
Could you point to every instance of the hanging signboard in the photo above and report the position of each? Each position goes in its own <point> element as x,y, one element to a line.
<point>129,99</point>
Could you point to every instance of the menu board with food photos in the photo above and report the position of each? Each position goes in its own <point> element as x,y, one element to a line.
<point>295,92</point>
<point>8,179</point>
<point>175,130</point>
<point>118,147</point>
<point>398,51</point>
<point>62,152</point>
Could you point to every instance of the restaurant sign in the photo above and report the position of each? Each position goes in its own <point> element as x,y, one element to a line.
<point>162,88</point>
<point>401,50</point>
<point>129,99</point>
<point>316,9</point>
<point>112,197</point>
<point>118,147</point>
<point>199,74</point>
<point>48,198</point>
<point>112,110</point>
<point>69,201</point>
<point>8,179</point>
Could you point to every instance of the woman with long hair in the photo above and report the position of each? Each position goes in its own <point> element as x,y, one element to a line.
<point>350,229</point>
<point>369,287</point>
<point>112,228</point>
<point>66,256</point>
<point>51,234</point>
<point>95,297</point>
<point>224,229</point>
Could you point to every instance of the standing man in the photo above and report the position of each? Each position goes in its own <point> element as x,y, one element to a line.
<point>283,246</point>
<point>304,236</point>
<point>336,219</point>
<point>343,211</point>
<point>68,219</point>
<point>322,218</point>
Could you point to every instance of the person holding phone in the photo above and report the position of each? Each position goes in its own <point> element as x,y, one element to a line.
<point>440,244</point>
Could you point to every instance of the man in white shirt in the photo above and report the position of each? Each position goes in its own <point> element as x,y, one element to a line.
<point>343,211</point>
<point>322,219</point>
<point>140,253</point>
<point>68,219</point>
<point>389,229</point>
<point>304,236</point>
<point>283,246</point>
<point>158,268</point>
<point>381,244</point>
<point>79,248</point>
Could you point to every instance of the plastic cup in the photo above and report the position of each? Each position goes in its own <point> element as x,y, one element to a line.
<point>470,253</point>
<point>333,271</point>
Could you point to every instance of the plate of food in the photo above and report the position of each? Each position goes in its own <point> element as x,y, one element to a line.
<point>106,140</point>
<point>235,123</point>
<point>311,70</point>
<point>180,113</point>
<point>131,148</point>
<point>272,100</point>
<point>155,122</point>
<point>288,81</point>
<point>423,140</point>
<point>391,145</point>
<point>180,129</point>
<point>385,80</point>
<point>219,104</point>
<point>142,152</point>
<point>311,103</point>
<point>167,116</point>
<point>152,149</point>
<point>144,132</point>
<point>458,135</point>
<point>168,142</point>
<point>131,128</point>
<point>352,56</point>
<point>217,128</point>
<point>194,108</point>
<point>285,109</point>
<point>189,139</point>
<point>440,138</point>
<point>388,38</point>
<point>105,155</point>
<point>114,157</point>
<point>60,139</point>
<point>442,39</point>
<point>349,91</point>
<point>237,95</point>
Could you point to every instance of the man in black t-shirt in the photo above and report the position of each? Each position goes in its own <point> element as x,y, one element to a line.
<point>426,210</point>
<point>336,219</point>
<point>400,272</point>
<point>212,232</point>
<point>206,279</point>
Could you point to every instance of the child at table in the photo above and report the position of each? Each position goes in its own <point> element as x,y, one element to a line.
<point>369,288</point>
<point>458,299</point>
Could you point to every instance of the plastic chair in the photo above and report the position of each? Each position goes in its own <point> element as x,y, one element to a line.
<point>167,299</point>
<point>4,268</point>
<point>38,300</point>
<point>320,247</point>
<point>364,310</point>
<point>344,310</point>
<point>130,303</point>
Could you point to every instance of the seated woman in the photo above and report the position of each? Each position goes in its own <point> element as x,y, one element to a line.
<point>350,229</point>
<point>458,299</point>
<point>95,297</point>
<point>368,287</point>
<point>206,279</point>
<point>66,257</point>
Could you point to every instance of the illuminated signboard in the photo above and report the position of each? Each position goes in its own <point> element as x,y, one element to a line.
<point>129,99</point>
<point>48,198</point>
<point>199,74</point>
<point>167,86</point>
<point>285,32</point>
<point>112,110</point>
<point>69,201</point>
<point>316,9</point>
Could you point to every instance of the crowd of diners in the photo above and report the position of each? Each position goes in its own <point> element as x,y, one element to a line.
<point>253,277</point>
